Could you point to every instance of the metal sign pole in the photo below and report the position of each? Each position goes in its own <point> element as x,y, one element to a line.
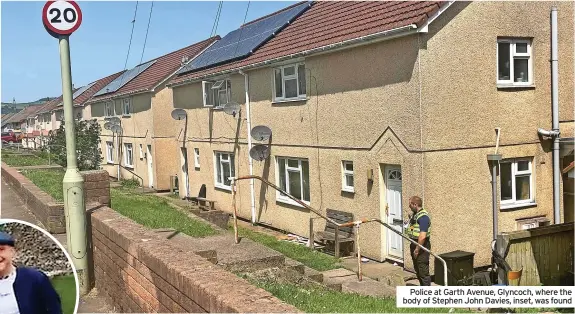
<point>73,183</point>
<point>61,19</point>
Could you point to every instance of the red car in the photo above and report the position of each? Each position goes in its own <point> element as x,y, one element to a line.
<point>9,137</point>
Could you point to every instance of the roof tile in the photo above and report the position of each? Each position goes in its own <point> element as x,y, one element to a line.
<point>331,22</point>
<point>164,66</point>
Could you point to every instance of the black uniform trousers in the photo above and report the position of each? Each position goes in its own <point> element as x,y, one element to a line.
<point>421,262</point>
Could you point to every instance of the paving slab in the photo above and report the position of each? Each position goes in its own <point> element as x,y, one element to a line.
<point>246,255</point>
<point>384,272</point>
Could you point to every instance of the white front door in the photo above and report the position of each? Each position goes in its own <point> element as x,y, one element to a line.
<point>394,212</point>
<point>185,177</point>
<point>150,167</point>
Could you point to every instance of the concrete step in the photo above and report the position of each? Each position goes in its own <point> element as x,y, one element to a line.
<point>348,282</point>
<point>245,256</point>
<point>313,274</point>
<point>295,265</point>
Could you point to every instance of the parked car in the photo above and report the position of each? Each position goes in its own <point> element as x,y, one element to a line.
<point>9,137</point>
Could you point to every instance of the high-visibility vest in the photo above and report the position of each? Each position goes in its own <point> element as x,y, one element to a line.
<point>413,229</point>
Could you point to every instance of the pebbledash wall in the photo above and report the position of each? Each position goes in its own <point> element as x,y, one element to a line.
<point>135,269</point>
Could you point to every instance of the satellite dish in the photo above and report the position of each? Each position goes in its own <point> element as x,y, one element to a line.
<point>116,128</point>
<point>108,126</point>
<point>232,108</point>
<point>38,127</point>
<point>261,133</point>
<point>260,152</point>
<point>115,120</point>
<point>179,114</point>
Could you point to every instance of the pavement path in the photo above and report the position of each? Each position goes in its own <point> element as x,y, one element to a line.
<point>14,208</point>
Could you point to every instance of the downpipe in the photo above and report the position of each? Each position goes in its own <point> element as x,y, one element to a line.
<point>250,161</point>
<point>355,224</point>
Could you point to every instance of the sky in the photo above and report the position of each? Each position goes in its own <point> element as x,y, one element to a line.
<point>29,56</point>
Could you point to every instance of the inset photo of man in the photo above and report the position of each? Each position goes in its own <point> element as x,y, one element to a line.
<point>36,275</point>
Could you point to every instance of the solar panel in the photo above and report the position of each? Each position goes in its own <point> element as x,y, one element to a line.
<point>82,90</point>
<point>124,78</point>
<point>245,40</point>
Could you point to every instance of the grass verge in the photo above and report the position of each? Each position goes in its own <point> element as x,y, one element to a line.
<point>313,259</point>
<point>49,181</point>
<point>323,300</point>
<point>155,212</point>
<point>19,160</point>
<point>66,288</point>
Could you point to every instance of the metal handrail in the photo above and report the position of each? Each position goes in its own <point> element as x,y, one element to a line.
<point>339,225</point>
<point>50,153</point>
<point>132,172</point>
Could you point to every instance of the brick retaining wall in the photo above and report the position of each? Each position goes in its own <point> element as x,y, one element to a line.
<point>140,272</point>
<point>44,207</point>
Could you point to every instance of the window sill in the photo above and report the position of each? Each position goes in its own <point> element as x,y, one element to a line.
<point>517,205</point>
<point>129,167</point>
<point>290,202</point>
<point>515,86</point>
<point>348,190</point>
<point>126,115</point>
<point>110,162</point>
<point>223,187</point>
<point>290,100</point>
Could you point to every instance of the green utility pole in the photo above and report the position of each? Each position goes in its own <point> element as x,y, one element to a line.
<point>74,202</point>
<point>61,19</point>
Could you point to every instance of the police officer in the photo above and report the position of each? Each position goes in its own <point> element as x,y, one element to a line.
<point>419,230</point>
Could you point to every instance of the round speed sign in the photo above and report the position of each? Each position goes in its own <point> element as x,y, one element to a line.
<point>62,17</point>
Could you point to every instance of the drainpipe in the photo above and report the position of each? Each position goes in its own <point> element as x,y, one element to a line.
<point>250,162</point>
<point>555,105</point>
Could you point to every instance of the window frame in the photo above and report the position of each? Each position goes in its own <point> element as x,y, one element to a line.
<point>230,161</point>
<point>295,76</point>
<point>344,174</point>
<point>279,195</point>
<point>141,152</point>
<point>196,158</point>
<point>513,54</point>
<point>128,151</point>
<point>225,87</point>
<point>127,101</point>
<point>109,108</point>
<point>110,152</point>
<point>515,172</point>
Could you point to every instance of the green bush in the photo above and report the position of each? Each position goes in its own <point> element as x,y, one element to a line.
<point>88,154</point>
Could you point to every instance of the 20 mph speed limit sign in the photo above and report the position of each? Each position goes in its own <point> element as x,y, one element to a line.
<point>62,17</point>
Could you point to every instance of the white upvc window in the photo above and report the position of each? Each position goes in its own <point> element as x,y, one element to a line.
<point>127,106</point>
<point>128,155</point>
<point>289,82</point>
<point>514,62</point>
<point>141,152</point>
<point>516,177</point>
<point>110,152</point>
<point>217,93</point>
<point>292,176</point>
<point>347,176</point>
<point>109,109</point>
<point>197,158</point>
<point>224,168</point>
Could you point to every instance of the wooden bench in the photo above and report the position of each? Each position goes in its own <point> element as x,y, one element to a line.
<point>202,201</point>
<point>338,236</point>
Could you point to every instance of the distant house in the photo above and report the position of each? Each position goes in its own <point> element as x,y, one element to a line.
<point>144,145</point>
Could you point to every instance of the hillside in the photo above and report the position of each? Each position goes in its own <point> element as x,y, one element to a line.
<point>15,106</point>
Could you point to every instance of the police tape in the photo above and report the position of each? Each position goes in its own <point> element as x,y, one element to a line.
<point>486,297</point>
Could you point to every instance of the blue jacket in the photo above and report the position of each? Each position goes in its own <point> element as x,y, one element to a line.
<point>34,292</point>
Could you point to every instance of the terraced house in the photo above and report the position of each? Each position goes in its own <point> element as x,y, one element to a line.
<point>372,102</point>
<point>142,145</point>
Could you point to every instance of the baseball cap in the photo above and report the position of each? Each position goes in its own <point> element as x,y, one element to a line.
<point>6,239</point>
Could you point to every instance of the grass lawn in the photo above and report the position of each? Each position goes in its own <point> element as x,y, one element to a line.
<point>322,300</point>
<point>155,212</point>
<point>66,288</point>
<point>313,259</point>
<point>48,180</point>
<point>23,160</point>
